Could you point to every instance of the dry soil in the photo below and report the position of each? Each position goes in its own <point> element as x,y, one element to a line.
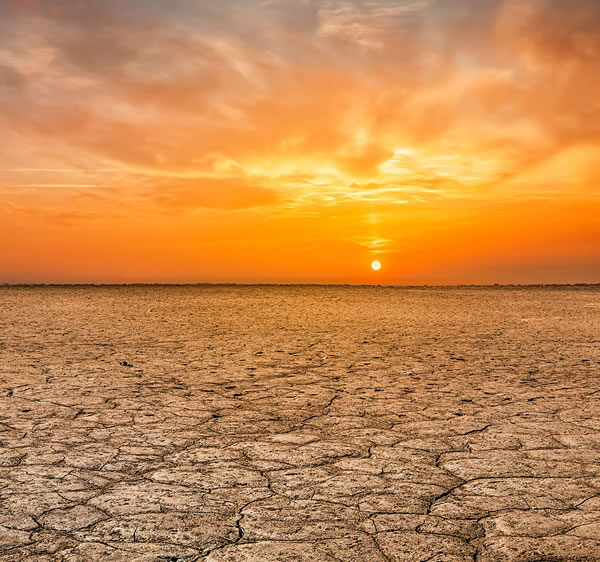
<point>299,423</point>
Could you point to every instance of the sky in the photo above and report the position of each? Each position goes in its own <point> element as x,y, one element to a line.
<point>454,141</point>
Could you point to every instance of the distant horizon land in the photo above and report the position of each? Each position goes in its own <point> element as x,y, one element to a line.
<point>356,285</point>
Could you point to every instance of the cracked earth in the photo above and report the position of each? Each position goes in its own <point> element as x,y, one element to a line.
<point>306,423</point>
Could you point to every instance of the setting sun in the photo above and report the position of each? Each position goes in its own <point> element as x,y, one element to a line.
<point>376,265</point>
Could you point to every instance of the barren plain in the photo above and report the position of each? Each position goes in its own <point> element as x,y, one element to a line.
<point>231,423</point>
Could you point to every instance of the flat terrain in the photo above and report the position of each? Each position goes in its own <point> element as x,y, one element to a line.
<point>299,423</point>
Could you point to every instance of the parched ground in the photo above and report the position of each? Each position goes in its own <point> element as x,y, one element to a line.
<point>307,423</point>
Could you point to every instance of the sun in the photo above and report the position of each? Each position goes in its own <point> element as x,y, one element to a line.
<point>376,265</point>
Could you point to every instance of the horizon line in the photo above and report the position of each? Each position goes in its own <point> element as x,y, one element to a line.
<point>238,284</point>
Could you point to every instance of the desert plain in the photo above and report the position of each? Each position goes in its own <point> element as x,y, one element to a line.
<point>239,423</point>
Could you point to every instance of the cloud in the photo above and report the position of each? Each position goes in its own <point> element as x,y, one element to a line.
<point>150,88</point>
<point>223,194</point>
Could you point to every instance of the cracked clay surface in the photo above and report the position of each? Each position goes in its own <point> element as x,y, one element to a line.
<point>299,423</point>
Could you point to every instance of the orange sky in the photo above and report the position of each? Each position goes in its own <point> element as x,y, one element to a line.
<point>296,141</point>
